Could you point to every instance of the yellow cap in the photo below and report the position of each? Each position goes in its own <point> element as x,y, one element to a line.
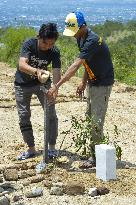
<point>71,25</point>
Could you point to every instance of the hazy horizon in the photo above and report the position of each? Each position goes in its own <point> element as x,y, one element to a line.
<point>35,12</point>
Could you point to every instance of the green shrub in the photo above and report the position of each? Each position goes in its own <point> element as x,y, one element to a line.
<point>124,59</point>
<point>108,28</point>
<point>121,39</point>
<point>82,131</point>
<point>69,50</point>
<point>12,39</point>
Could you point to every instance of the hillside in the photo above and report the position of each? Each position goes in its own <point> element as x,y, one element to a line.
<point>121,112</point>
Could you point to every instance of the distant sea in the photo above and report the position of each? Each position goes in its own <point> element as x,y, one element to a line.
<point>35,12</point>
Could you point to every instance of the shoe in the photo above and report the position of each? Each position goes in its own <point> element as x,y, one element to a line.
<point>52,154</point>
<point>26,155</point>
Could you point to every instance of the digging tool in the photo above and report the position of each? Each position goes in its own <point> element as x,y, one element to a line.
<point>42,166</point>
<point>46,125</point>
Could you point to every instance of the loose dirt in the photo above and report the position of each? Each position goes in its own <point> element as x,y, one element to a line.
<point>121,112</point>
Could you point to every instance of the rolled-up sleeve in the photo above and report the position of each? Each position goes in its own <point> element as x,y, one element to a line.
<point>25,50</point>
<point>56,59</point>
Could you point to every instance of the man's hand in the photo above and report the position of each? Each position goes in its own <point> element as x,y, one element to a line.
<point>42,75</point>
<point>52,92</point>
<point>80,90</point>
<point>51,99</point>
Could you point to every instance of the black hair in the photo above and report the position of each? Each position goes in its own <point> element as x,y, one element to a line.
<point>48,31</point>
<point>84,24</point>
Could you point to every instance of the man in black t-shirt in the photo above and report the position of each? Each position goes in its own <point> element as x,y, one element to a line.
<point>36,54</point>
<point>98,75</point>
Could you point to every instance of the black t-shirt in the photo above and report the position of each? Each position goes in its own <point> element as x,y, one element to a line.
<point>97,58</point>
<point>37,59</point>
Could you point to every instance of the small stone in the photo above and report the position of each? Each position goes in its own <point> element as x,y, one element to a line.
<point>35,192</point>
<point>2,167</point>
<point>57,184</point>
<point>127,166</point>
<point>120,164</point>
<point>16,198</point>
<point>41,167</point>
<point>47,183</point>
<point>1,179</point>
<point>4,201</point>
<point>92,192</point>
<point>7,185</point>
<point>4,193</point>
<point>1,190</point>
<point>74,188</point>
<point>102,190</point>
<point>58,191</point>
<point>10,174</point>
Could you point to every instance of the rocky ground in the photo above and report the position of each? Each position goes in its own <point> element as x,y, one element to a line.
<point>17,179</point>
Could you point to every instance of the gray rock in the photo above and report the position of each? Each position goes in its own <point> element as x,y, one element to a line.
<point>10,190</point>
<point>92,192</point>
<point>35,192</point>
<point>102,190</point>
<point>7,185</point>
<point>40,168</point>
<point>58,191</point>
<point>4,201</point>
<point>1,190</point>
<point>1,179</point>
<point>16,198</point>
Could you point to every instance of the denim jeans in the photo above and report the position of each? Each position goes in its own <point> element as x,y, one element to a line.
<point>23,99</point>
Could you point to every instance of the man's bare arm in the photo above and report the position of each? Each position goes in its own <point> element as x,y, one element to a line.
<point>56,75</point>
<point>24,67</point>
<point>70,72</point>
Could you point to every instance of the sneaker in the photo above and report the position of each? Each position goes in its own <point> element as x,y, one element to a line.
<point>52,154</point>
<point>26,155</point>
